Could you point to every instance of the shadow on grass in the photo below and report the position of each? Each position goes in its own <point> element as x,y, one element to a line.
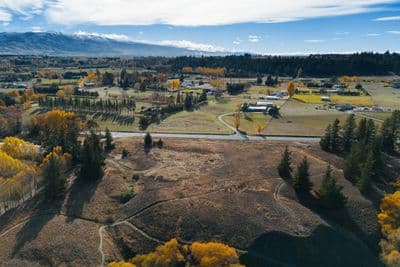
<point>342,220</point>
<point>44,213</point>
<point>81,192</point>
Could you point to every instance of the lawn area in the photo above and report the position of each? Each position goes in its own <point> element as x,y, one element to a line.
<point>191,122</point>
<point>336,99</point>
<point>377,115</point>
<point>263,89</point>
<point>303,120</point>
<point>249,121</point>
<point>384,95</point>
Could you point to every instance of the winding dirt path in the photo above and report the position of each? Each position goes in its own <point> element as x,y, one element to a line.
<point>277,197</point>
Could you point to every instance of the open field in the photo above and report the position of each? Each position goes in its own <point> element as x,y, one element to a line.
<point>303,120</point>
<point>191,122</point>
<point>336,99</point>
<point>383,94</point>
<point>249,122</point>
<point>194,190</point>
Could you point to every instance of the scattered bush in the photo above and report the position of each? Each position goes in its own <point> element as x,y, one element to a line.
<point>126,195</point>
<point>124,153</point>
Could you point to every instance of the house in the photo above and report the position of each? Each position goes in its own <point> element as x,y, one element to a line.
<point>273,97</point>
<point>264,104</point>
<point>344,107</point>
<point>257,109</point>
<point>325,98</point>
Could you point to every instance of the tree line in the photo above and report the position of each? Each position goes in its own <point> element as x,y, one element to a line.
<point>366,63</point>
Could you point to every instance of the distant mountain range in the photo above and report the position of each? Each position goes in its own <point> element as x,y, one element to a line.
<point>58,44</point>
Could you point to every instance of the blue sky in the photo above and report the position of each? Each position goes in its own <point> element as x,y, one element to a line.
<point>257,26</point>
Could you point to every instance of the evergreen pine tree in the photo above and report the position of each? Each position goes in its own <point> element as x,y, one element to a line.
<point>284,168</point>
<point>109,141</point>
<point>336,141</point>
<point>301,181</point>
<point>390,132</point>
<point>325,142</point>
<point>148,142</point>
<point>330,194</point>
<point>351,169</point>
<point>379,166</point>
<point>361,132</point>
<point>54,178</point>
<point>370,132</point>
<point>348,136</point>
<point>367,173</point>
<point>92,158</point>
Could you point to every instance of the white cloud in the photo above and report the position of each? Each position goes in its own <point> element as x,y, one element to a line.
<point>254,38</point>
<point>5,16</point>
<point>394,18</point>
<point>342,33</point>
<point>26,8</point>
<point>196,13</point>
<point>314,41</point>
<point>36,29</point>
<point>393,32</point>
<point>237,41</point>
<point>372,34</point>
<point>113,36</point>
<point>191,45</point>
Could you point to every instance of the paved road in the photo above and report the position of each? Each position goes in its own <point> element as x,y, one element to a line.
<point>219,137</point>
<point>235,136</point>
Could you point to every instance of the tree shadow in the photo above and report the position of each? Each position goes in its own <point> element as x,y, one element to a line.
<point>44,213</point>
<point>80,193</point>
<point>343,219</point>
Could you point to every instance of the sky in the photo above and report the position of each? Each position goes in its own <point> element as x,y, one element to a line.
<point>255,26</point>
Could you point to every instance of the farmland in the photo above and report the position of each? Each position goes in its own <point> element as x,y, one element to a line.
<point>278,170</point>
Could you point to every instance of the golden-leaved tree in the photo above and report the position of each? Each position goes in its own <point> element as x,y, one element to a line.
<point>172,253</point>
<point>18,172</point>
<point>389,220</point>
<point>9,166</point>
<point>19,148</point>
<point>58,128</point>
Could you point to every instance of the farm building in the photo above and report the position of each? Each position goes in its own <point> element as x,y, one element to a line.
<point>264,104</point>
<point>325,98</point>
<point>257,108</point>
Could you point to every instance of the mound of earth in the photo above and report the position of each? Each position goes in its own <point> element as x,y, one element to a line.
<point>195,190</point>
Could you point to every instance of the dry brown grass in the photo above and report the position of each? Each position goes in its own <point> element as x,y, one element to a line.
<point>191,189</point>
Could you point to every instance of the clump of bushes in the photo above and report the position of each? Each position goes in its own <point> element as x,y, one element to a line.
<point>126,195</point>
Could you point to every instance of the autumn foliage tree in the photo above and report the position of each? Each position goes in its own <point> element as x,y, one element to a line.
<point>58,128</point>
<point>389,220</point>
<point>291,89</point>
<point>198,254</point>
<point>19,148</point>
